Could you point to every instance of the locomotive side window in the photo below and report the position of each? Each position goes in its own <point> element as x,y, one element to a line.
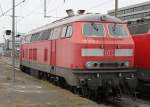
<point>45,35</point>
<point>35,37</point>
<point>28,38</point>
<point>117,30</point>
<point>55,33</point>
<point>93,30</point>
<point>32,38</point>
<point>67,31</point>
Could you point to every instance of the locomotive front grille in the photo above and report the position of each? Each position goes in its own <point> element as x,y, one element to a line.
<point>107,64</point>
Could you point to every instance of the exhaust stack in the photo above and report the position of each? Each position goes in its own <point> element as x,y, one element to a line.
<point>70,12</point>
<point>81,12</point>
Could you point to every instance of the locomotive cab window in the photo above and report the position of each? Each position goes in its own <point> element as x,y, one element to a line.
<point>93,29</point>
<point>67,31</point>
<point>117,30</point>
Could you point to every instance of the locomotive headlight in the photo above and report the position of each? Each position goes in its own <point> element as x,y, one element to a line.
<point>89,64</point>
<point>126,64</point>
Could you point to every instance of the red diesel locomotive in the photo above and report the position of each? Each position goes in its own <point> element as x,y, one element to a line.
<point>141,37</point>
<point>88,51</point>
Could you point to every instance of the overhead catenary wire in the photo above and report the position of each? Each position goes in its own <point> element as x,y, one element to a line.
<point>34,10</point>
<point>11,8</point>
<point>100,4</point>
<point>53,10</point>
<point>49,3</point>
<point>1,9</point>
<point>103,4</point>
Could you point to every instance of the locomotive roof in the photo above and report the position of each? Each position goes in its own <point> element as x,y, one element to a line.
<point>85,17</point>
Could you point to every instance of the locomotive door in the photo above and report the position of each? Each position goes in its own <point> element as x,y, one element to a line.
<point>53,53</point>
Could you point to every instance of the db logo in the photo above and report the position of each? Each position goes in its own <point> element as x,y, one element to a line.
<point>108,53</point>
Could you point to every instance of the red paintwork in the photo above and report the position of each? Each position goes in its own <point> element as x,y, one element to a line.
<point>142,50</point>
<point>66,52</point>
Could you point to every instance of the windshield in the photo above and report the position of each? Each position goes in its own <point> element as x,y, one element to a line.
<point>117,30</point>
<point>93,30</point>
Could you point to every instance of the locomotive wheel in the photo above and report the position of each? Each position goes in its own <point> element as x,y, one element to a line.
<point>40,75</point>
<point>22,68</point>
<point>96,95</point>
<point>84,91</point>
<point>35,73</point>
<point>51,79</point>
<point>61,82</point>
<point>92,95</point>
<point>27,70</point>
<point>73,89</point>
<point>57,81</point>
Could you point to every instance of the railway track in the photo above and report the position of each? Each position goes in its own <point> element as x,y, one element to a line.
<point>141,101</point>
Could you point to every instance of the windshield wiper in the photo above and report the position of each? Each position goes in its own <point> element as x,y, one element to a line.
<point>94,26</point>
<point>114,27</point>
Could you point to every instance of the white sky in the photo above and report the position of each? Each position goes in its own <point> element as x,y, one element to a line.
<point>31,12</point>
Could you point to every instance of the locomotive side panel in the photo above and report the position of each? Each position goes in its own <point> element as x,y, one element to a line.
<point>142,52</point>
<point>140,30</point>
<point>142,59</point>
<point>37,55</point>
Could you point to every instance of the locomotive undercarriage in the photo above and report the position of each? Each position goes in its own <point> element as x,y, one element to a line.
<point>96,85</point>
<point>143,82</point>
<point>107,85</point>
<point>143,75</point>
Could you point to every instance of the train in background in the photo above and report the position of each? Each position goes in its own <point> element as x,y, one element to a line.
<point>140,30</point>
<point>90,52</point>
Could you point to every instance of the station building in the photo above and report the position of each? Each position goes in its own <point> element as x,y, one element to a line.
<point>138,15</point>
<point>133,12</point>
